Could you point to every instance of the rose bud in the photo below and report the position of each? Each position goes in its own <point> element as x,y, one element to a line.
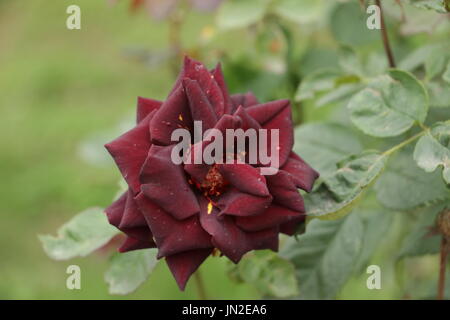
<point>188,210</point>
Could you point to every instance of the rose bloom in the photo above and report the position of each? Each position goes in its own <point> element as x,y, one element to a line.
<point>189,211</point>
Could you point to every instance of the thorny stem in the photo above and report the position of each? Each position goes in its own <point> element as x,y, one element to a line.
<point>200,286</point>
<point>384,35</point>
<point>442,268</point>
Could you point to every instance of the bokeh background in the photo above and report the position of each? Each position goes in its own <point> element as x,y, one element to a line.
<point>64,93</point>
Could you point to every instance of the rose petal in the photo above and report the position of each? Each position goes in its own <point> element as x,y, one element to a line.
<point>246,100</point>
<point>237,203</point>
<point>131,243</point>
<point>218,76</point>
<point>264,239</point>
<point>166,185</point>
<point>132,216</point>
<point>291,227</point>
<point>183,265</point>
<point>226,236</point>
<point>276,115</point>
<point>301,173</point>
<point>115,211</point>
<point>272,217</point>
<point>245,178</point>
<point>284,191</point>
<point>197,71</point>
<point>145,106</point>
<point>130,151</point>
<point>174,113</point>
<point>173,236</point>
<point>201,108</point>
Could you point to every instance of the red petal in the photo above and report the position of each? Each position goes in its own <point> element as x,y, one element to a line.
<point>130,151</point>
<point>135,244</point>
<point>234,202</point>
<point>265,239</point>
<point>145,106</point>
<point>115,211</point>
<point>284,191</point>
<point>276,115</point>
<point>301,173</point>
<point>183,265</point>
<point>218,76</point>
<point>166,185</point>
<point>201,109</point>
<point>226,236</point>
<point>272,217</point>
<point>174,113</point>
<point>197,71</point>
<point>132,216</point>
<point>245,178</point>
<point>173,236</point>
<point>291,227</point>
<point>246,100</point>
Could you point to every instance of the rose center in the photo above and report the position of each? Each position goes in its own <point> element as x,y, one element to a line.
<point>214,183</point>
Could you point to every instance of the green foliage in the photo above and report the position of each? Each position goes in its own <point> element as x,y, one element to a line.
<point>129,270</point>
<point>441,6</point>
<point>433,150</point>
<point>325,256</point>
<point>340,191</point>
<point>83,234</point>
<point>334,143</point>
<point>268,272</point>
<point>404,186</point>
<point>240,13</point>
<point>390,105</point>
<point>422,239</point>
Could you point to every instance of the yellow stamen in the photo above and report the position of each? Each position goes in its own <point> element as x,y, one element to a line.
<point>210,207</point>
<point>180,117</point>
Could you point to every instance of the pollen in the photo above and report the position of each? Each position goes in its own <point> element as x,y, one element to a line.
<point>180,117</point>
<point>210,207</point>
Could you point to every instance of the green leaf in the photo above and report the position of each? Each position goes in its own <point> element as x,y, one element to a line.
<point>405,186</point>
<point>240,13</point>
<point>446,75</point>
<point>321,80</point>
<point>83,234</point>
<point>324,144</point>
<point>376,226</point>
<point>420,239</point>
<point>348,25</point>
<point>325,255</point>
<point>300,11</point>
<point>129,270</point>
<point>269,273</point>
<point>441,6</point>
<point>339,192</point>
<point>439,93</point>
<point>433,150</point>
<point>435,63</point>
<point>390,105</point>
<point>332,84</point>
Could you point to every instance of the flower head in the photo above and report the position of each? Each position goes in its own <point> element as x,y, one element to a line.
<point>189,209</point>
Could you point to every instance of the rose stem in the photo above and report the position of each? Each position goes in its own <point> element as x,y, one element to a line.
<point>200,286</point>
<point>442,269</point>
<point>384,35</point>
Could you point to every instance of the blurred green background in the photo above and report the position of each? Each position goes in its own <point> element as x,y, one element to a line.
<point>63,94</point>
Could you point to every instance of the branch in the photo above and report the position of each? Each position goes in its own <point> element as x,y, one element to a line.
<point>384,35</point>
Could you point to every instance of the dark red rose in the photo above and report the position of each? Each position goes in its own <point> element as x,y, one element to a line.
<point>188,210</point>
